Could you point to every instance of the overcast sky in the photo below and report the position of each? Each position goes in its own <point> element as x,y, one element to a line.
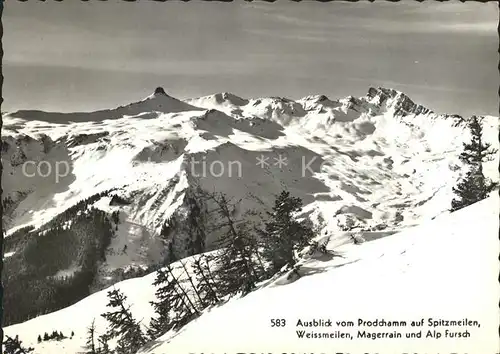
<point>74,55</point>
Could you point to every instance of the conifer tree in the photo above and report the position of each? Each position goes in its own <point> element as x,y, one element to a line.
<point>235,268</point>
<point>162,307</point>
<point>283,235</point>
<point>474,186</point>
<point>103,347</point>
<point>123,325</point>
<point>39,340</point>
<point>173,307</point>
<point>14,346</point>
<point>185,309</point>
<point>206,286</point>
<point>90,346</point>
<point>193,286</point>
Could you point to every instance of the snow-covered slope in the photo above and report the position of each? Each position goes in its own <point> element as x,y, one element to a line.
<point>446,269</point>
<point>149,107</point>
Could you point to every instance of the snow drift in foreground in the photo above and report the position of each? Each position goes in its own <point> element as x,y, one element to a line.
<point>446,269</point>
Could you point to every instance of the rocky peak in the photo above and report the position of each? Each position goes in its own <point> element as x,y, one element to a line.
<point>231,98</point>
<point>401,104</point>
<point>159,91</point>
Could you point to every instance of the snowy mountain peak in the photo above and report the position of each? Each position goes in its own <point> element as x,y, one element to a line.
<point>397,100</point>
<point>224,99</point>
<point>231,98</point>
<point>321,98</point>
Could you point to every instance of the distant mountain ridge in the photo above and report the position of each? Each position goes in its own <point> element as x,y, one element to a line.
<point>159,101</point>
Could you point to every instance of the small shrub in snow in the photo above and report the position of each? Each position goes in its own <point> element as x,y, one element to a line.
<point>14,346</point>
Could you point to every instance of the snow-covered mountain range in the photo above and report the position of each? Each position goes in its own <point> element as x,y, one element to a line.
<point>373,165</point>
<point>375,158</point>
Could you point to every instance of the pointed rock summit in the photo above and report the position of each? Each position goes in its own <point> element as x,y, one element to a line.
<point>401,103</point>
<point>160,91</point>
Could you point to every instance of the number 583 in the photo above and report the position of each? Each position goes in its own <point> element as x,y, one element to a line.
<point>278,322</point>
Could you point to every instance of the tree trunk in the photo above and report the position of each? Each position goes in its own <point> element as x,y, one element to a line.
<point>186,296</point>
<point>192,284</point>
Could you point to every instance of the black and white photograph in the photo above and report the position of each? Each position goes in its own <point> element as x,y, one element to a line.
<point>250,177</point>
